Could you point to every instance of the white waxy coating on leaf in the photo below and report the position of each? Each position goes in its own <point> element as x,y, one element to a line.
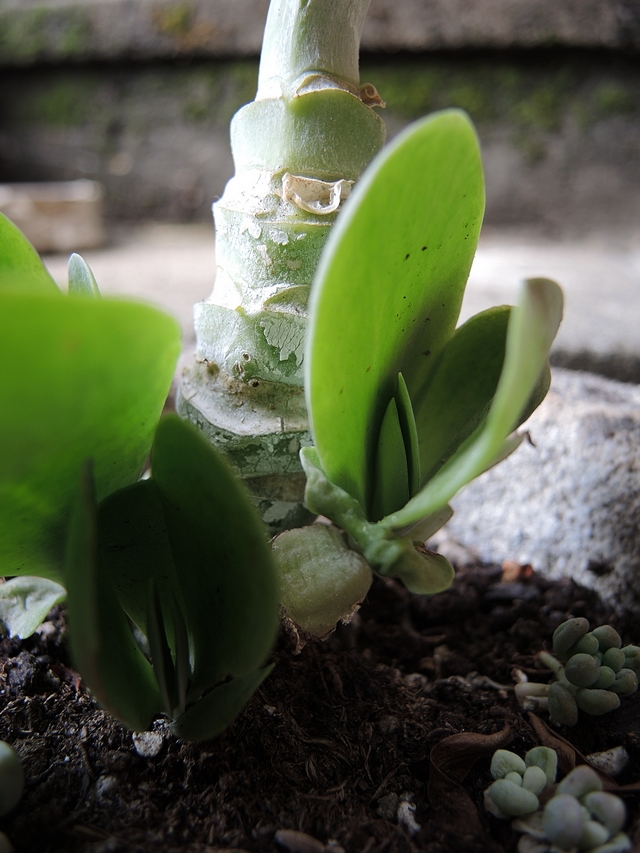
<point>513,799</point>
<point>503,761</point>
<point>563,820</point>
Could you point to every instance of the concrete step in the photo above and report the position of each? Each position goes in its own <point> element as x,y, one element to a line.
<point>174,266</point>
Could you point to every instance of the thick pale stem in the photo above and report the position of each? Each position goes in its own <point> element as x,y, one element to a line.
<point>297,149</point>
<point>310,37</point>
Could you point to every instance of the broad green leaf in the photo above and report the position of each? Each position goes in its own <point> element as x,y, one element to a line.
<point>221,555</point>
<point>82,281</point>
<point>79,378</point>
<point>25,602</point>
<point>218,709</point>
<point>532,327</point>
<point>21,269</point>
<point>389,287</point>
<point>409,433</point>
<point>391,479</point>
<point>104,650</point>
<point>462,384</point>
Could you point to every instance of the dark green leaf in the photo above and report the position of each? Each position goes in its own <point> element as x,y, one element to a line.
<point>221,555</point>
<point>388,291</point>
<point>25,602</point>
<point>462,383</point>
<point>21,269</point>
<point>136,551</point>
<point>218,708</point>
<point>104,650</point>
<point>532,327</point>
<point>79,378</point>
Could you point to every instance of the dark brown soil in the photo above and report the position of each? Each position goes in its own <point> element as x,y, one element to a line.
<point>335,740</point>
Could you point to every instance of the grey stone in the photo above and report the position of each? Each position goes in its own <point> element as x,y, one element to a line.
<point>568,502</point>
<point>147,744</point>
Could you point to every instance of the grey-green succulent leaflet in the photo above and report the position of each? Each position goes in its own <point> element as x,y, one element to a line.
<point>592,672</point>
<point>298,148</point>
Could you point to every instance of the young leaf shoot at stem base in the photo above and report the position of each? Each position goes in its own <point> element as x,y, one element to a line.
<point>405,409</point>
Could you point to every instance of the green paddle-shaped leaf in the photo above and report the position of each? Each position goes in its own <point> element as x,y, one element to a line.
<point>79,378</point>
<point>21,270</point>
<point>389,288</point>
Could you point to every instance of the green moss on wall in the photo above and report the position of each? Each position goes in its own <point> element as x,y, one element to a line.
<point>534,100</point>
<point>26,37</point>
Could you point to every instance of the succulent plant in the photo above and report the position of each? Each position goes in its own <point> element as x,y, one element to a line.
<point>579,815</point>
<point>518,782</point>
<point>592,672</point>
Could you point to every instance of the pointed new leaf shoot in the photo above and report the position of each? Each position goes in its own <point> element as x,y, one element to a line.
<point>389,287</point>
<point>218,708</point>
<point>391,480</point>
<point>183,665</point>
<point>21,269</point>
<point>25,602</point>
<point>104,650</point>
<point>161,659</point>
<point>97,373</point>
<point>223,562</point>
<point>409,434</point>
<point>82,282</point>
<point>532,328</point>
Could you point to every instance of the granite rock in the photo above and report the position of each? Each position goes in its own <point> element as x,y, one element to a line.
<point>568,502</point>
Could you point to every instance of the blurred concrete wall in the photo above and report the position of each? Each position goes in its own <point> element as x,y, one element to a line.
<point>139,93</point>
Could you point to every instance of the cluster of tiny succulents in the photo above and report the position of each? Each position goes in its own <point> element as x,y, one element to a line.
<point>577,814</point>
<point>592,671</point>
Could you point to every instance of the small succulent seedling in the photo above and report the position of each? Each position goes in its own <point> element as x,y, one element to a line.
<point>405,409</point>
<point>11,778</point>
<point>592,672</point>
<point>80,376</point>
<point>519,782</point>
<point>579,815</point>
<point>183,557</point>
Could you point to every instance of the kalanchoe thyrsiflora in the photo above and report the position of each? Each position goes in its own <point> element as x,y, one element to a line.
<point>578,815</point>
<point>592,671</point>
